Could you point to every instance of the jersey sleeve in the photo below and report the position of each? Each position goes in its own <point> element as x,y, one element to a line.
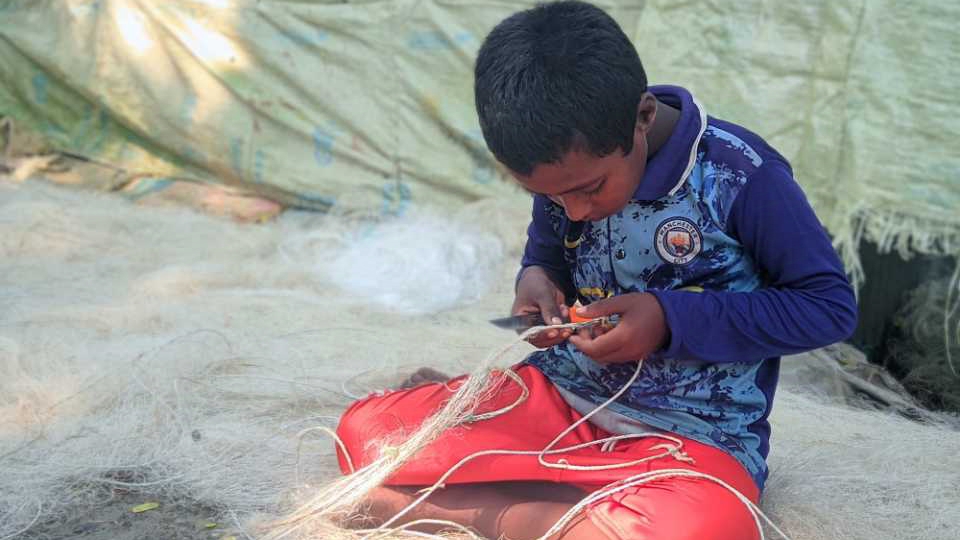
<point>544,247</point>
<point>807,301</point>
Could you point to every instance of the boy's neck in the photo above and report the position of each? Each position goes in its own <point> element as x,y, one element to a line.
<point>663,124</point>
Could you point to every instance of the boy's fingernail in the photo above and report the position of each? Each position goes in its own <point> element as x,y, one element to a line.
<point>556,320</point>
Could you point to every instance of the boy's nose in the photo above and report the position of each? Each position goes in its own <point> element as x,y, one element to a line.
<point>577,208</point>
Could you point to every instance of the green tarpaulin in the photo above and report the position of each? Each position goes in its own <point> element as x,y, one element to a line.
<point>368,105</point>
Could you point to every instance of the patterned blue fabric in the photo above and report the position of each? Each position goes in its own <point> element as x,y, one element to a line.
<point>680,236</point>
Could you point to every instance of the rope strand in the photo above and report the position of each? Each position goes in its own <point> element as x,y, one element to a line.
<point>343,496</point>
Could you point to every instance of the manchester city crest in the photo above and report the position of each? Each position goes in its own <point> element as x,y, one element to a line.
<point>678,240</point>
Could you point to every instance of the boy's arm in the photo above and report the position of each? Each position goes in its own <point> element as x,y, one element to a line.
<point>544,247</point>
<point>807,303</point>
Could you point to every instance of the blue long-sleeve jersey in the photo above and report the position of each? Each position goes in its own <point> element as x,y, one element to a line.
<point>721,233</point>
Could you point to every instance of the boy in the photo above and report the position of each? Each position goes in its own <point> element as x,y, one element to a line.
<point>693,231</point>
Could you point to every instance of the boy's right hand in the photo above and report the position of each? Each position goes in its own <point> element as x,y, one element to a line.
<point>537,293</point>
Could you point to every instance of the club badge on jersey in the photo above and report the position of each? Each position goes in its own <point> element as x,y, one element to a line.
<point>678,240</point>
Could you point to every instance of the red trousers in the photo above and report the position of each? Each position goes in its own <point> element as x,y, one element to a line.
<point>675,508</point>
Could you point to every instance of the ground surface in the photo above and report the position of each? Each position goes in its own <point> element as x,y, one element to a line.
<point>156,354</point>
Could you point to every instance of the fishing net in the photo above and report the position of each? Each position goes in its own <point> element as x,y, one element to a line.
<point>158,355</point>
<point>925,352</point>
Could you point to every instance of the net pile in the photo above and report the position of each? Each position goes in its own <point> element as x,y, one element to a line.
<point>926,353</point>
<point>160,354</point>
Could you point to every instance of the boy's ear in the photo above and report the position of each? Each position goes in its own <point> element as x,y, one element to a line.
<point>646,113</point>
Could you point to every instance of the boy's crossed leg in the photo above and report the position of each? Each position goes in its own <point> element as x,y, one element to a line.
<point>518,498</point>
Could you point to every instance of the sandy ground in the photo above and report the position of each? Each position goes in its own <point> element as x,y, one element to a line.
<point>174,519</point>
<point>162,355</point>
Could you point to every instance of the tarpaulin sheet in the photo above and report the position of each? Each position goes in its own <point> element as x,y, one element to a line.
<point>368,105</point>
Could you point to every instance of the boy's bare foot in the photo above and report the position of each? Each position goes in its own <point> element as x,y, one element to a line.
<point>424,375</point>
<point>519,510</point>
<point>381,504</point>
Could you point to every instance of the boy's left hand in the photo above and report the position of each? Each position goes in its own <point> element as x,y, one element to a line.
<point>642,329</point>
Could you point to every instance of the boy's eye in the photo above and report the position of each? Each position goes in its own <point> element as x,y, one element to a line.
<point>596,189</point>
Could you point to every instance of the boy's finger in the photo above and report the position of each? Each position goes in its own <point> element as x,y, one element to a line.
<point>599,348</point>
<point>537,340</point>
<point>540,342</point>
<point>525,309</point>
<point>550,311</point>
<point>607,306</point>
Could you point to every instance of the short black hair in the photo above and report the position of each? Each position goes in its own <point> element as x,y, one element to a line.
<point>554,78</point>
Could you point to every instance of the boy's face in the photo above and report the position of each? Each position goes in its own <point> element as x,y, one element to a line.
<point>590,188</point>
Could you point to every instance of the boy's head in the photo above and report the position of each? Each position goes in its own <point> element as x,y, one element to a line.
<point>563,103</point>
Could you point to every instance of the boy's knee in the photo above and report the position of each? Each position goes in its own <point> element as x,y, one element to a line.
<point>679,509</point>
<point>365,422</point>
<point>348,436</point>
<point>385,419</point>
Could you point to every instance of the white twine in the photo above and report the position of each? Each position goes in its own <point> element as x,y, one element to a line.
<point>674,450</point>
<point>30,525</point>
<point>950,306</point>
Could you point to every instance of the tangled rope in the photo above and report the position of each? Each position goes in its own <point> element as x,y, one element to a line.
<point>340,500</point>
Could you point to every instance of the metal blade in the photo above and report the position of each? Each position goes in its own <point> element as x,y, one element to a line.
<point>519,322</point>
